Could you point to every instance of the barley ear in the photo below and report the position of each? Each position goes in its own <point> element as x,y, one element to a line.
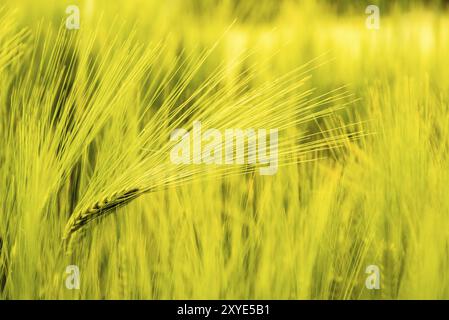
<point>80,219</point>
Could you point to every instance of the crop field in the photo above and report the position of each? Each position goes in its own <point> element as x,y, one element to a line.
<point>121,175</point>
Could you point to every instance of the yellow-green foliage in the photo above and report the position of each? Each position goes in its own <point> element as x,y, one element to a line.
<point>86,178</point>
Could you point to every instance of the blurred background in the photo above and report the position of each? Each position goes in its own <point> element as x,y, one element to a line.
<point>312,230</point>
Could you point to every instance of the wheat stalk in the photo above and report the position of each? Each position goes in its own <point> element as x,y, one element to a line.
<point>262,106</point>
<point>81,218</point>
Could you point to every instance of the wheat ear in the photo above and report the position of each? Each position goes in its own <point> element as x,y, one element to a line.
<point>80,219</point>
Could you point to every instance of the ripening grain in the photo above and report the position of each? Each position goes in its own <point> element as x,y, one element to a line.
<point>86,178</point>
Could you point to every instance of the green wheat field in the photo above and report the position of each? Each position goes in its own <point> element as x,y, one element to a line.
<point>361,179</point>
